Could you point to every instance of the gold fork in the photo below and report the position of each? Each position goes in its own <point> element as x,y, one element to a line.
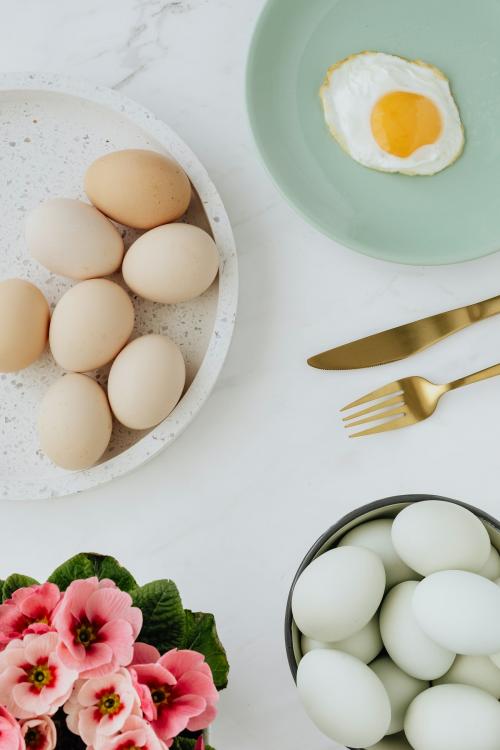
<point>405,402</point>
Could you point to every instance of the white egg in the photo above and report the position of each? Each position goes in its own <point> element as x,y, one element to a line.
<point>453,717</point>
<point>460,611</point>
<point>491,569</point>
<point>338,593</point>
<point>478,671</point>
<point>344,698</point>
<point>365,645</point>
<point>401,689</point>
<point>392,114</point>
<point>376,536</point>
<point>392,742</point>
<point>405,641</point>
<point>496,657</point>
<point>437,535</point>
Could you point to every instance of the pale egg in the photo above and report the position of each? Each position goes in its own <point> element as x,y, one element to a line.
<point>453,717</point>
<point>491,569</point>
<point>24,324</point>
<point>496,657</point>
<point>405,641</point>
<point>172,263</point>
<point>478,671</point>
<point>91,323</point>
<point>437,535</point>
<point>401,689</point>
<point>138,187</point>
<point>460,611</point>
<point>73,239</point>
<point>338,593</point>
<point>344,698</point>
<point>365,645</point>
<point>392,114</point>
<point>146,381</point>
<point>376,536</point>
<point>74,422</point>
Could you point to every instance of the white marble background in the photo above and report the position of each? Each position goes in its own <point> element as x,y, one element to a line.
<point>230,509</point>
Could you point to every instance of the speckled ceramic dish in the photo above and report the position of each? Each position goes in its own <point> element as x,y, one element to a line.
<point>51,129</point>
<point>450,217</point>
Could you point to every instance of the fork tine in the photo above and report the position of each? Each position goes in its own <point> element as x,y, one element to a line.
<point>386,390</point>
<point>398,411</point>
<point>393,424</point>
<point>397,400</point>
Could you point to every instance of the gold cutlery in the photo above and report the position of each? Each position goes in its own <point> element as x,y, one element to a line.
<point>405,402</point>
<point>398,343</point>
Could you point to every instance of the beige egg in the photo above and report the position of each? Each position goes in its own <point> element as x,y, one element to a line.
<point>146,381</point>
<point>24,324</point>
<point>138,188</point>
<point>73,239</point>
<point>90,324</point>
<point>172,263</point>
<point>74,422</point>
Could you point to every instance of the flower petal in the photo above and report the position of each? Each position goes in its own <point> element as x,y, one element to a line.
<point>118,635</point>
<point>203,720</point>
<point>198,684</point>
<point>181,661</point>
<point>108,604</point>
<point>175,717</point>
<point>40,648</point>
<point>145,654</point>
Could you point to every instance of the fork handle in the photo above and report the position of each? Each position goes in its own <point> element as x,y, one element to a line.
<point>475,377</point>
<point>485,309</point>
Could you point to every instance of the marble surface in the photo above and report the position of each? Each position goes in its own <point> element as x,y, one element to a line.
<point>229,510</point>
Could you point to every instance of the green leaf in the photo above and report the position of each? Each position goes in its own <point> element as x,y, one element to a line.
<point>164,622</point>
<point>107,567</point>
<point>186,743</point>
<point>201,635</point>
<point>88,564</point>
<point>14,582</point>
<point>76,567</point>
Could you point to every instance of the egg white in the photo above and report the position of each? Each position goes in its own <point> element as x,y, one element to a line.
<point>353,86</point>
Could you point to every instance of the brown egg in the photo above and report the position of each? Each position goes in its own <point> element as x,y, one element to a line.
<point>24,324</point>
<point>146,381</point>
<point>74,422</point>
<point>73,239</point>
<point>172,263</point>
<point>138,188</point>
<point>90,324</point>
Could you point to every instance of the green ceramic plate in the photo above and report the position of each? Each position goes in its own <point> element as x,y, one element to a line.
<point>450,217</point>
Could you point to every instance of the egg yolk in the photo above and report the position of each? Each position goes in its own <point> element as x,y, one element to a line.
<point>402,122</point>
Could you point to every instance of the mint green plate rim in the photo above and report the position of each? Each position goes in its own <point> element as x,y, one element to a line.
<point>289,192</point>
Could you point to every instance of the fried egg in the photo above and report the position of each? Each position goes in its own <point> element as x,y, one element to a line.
<point>392,114</point>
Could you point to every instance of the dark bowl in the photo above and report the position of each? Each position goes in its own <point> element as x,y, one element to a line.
<point>387,508</point>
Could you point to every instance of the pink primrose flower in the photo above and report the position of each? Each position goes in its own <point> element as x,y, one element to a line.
<point>10,732</point>
<point>97,625</point>
<point>39,734</point>
<point>177,692</point>
<point>136,734</point>
<point>33,680</point>
<point>29,610</point>
<point>100,706</point>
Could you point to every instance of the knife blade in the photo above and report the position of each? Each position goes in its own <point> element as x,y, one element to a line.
<point>404,340</point>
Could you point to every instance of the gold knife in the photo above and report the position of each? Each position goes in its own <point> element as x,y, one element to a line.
<point>398,343</point>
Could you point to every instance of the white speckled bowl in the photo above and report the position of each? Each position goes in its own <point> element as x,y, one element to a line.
<point>51,129</point>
